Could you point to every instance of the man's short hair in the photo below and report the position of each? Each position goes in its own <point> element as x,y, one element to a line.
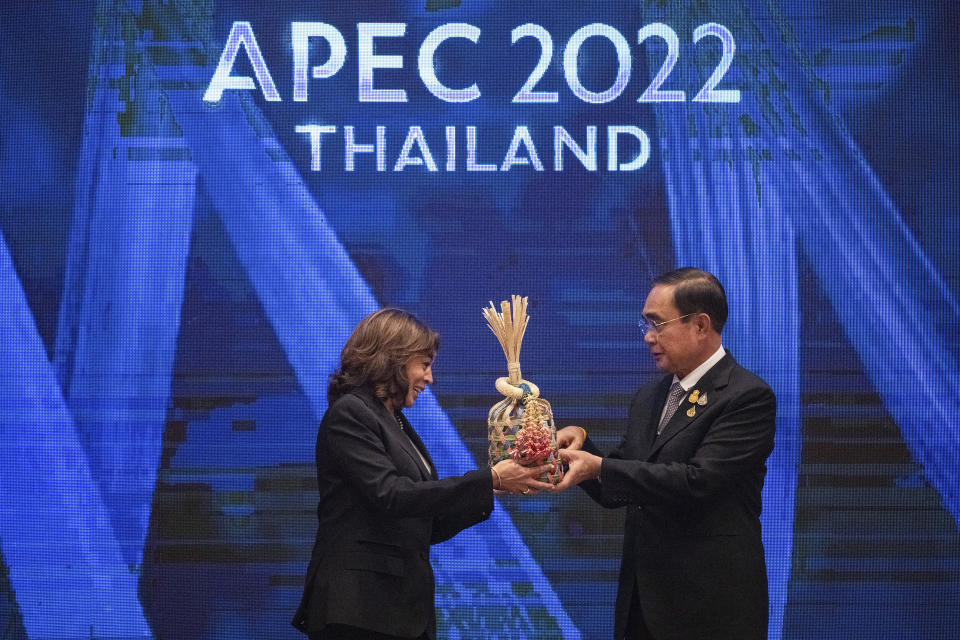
<point>697,291</point>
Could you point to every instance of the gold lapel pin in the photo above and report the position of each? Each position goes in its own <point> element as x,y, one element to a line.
<point>695,395</point>
<point>692,411</point>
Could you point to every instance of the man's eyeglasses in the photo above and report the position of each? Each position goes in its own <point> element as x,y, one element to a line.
<point>652,326</point>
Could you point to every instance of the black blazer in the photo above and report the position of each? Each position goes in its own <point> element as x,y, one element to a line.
<point>379,512</point>
<point>691,549</point>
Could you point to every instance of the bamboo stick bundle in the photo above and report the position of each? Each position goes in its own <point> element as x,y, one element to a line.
<point>521,425</point>
<point>509,326</point>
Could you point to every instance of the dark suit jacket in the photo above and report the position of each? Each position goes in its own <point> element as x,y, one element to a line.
<point>379,512</point>
<point>691,547</point>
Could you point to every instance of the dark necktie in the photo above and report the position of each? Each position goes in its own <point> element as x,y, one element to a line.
<point>673,401</point>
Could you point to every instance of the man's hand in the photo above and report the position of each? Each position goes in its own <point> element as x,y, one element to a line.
<point>583,466</point>
<point>571,437</point>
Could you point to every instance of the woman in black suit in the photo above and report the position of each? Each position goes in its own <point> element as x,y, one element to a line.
<point>381,503</point>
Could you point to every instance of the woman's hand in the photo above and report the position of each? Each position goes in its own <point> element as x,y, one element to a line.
<point>511,477</point>
<point>571,437</point>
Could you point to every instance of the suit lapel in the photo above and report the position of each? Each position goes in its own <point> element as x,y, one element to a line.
<point>415,441</point>
<point>648,437</point>
<point>408,443</point>
<point>694,402</point>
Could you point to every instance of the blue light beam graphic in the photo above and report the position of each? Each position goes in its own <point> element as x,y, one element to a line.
<point>893,304</point>
<point>66,567</point>
<point>126,264</point>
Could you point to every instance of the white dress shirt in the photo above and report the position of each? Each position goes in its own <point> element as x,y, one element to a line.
<point>691,379</point>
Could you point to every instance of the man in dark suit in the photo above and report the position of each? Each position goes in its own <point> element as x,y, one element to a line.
<point>689,471</point>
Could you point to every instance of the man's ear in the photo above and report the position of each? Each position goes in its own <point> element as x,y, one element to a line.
<point>704,324</point>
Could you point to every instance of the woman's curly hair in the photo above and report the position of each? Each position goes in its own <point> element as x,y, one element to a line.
<point>376,354</point>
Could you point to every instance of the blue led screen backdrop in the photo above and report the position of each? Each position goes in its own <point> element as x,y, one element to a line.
<point>200,198</point>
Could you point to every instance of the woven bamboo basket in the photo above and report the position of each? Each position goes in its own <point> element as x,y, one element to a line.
<point>521,425</point>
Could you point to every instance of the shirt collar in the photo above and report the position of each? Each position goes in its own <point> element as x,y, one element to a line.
<point>692,378</point>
